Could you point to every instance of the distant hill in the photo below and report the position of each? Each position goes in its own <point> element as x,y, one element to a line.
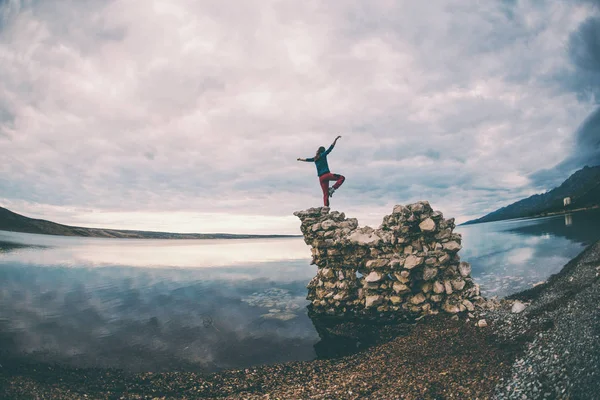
<point>10,221</point>
<point>583,187</point>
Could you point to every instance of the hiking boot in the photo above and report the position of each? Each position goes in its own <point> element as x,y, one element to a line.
<point>331,191</point>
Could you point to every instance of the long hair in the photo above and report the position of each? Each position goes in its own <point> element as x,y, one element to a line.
<point>319,151</point>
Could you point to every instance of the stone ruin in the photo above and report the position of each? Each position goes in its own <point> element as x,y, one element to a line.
<point>407,268</point>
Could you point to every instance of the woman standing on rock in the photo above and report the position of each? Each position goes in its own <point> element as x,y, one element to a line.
<point>320,159</point>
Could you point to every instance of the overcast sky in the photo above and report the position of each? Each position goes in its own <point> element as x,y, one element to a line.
<point>188,115</point>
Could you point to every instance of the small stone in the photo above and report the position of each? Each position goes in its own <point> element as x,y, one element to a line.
<point>452,246</point>
<point>328,224</point>
<point>327,273</point>
<point>371,301</point>
<point>469,306</point>
<point>482,323</point>
<point>429,273</point>
<point>378,263</point>
<point>427,286</point>
<point>418,298</point>
<point>517,307</point>
<point>341,296</point>
<point>396,300</point>
<point>464,268</point>
<point>448,287</point>
<point>374,277</point>
<point>436,298</point>
<point>438,287</point>
<point>430,261</point>
<point>450,308</point>
<point>408,250</point>
<point>444,258</point>
<point>458,284</point>
<point>412,261</point>
<point>400,287</point>
<point>399,209</point>
<point>427,225</point>
<point>401,278</point>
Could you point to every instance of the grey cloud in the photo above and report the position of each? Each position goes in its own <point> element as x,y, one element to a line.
<point>143,109</point>
<point>584,53</point>
<point>585,152</point>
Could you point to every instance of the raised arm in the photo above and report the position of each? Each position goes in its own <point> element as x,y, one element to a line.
<point>332,145</point>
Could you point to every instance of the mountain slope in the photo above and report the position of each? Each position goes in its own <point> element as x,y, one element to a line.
<point>583,187</point>
<point>10,221</point>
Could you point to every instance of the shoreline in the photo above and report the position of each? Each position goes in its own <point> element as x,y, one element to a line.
<point>542,215</point>
<point>550,349</point>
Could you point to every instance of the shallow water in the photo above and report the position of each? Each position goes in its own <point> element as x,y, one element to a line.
<point>212,304</point>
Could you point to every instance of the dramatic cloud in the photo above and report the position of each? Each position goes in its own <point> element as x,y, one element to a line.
<point>584,53</point>
<point>144,112</point>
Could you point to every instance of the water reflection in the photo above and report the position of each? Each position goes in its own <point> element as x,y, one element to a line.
<point>568,219</point>
<point>153,319</point>
<point>146,253</point>
<point>206,305</point>
<point>510,256</point>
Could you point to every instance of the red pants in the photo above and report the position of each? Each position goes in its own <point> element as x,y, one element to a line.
<point>325,179</point>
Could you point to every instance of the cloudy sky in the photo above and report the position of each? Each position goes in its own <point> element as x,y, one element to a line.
<point>188,115</point>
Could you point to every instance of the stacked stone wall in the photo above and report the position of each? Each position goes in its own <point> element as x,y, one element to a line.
<point>408,267</point>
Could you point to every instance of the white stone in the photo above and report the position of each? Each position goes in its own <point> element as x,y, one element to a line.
<point>438,287</point>
<point>448,287</point>
<point>412,261</point>
<point>458,284</point>
<point>328,224</point>
<point>371,301</point>
<point>374,277</point>
<point>452,246</point>
<point>464,268</point>
<point>400,287</point>
<point>427,225</point>
<point>517,307</point>
<point>399,209</point>
<point>482,323</point>
<point>364,238</point>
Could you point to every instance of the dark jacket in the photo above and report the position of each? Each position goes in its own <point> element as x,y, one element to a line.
<point>321,163</point>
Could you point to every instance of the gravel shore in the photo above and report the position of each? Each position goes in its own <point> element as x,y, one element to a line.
<point>551,349</point>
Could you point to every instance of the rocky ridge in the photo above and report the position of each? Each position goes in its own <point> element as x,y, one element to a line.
<point>407,268</point>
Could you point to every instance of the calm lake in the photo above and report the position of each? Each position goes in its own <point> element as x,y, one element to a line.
<point>157,305</point>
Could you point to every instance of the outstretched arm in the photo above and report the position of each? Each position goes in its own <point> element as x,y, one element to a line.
<point>306,159</point>
<point>332,145</point>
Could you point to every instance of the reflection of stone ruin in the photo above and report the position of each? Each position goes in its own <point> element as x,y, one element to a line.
<point>408,267</point>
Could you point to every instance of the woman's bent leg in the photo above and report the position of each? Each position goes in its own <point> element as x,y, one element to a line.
<point>339,179</point>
